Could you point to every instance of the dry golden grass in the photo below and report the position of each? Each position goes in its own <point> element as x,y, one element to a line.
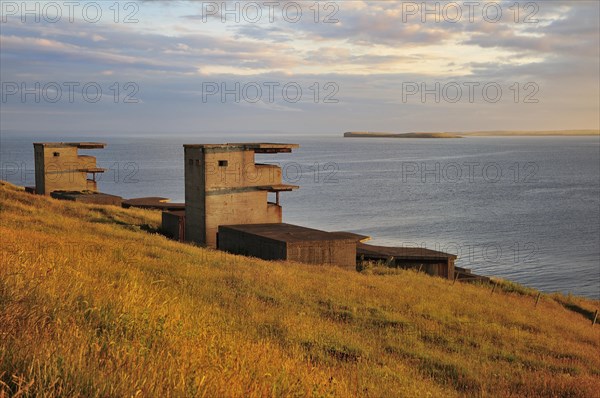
<point>93,304</point>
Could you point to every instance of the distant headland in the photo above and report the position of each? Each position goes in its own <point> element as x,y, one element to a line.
<point>496,133</point>
<point>404,135</point>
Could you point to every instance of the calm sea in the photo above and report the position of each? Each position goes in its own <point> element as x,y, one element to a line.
<point>526,209</point>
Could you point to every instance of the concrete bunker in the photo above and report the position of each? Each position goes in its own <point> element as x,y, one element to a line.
<point>59,167</point>
<point>61,172</point>
<point>431,262</point>
<point>289,242</point>
<point>225,186</point>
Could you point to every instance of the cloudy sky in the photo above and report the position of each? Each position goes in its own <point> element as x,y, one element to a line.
<point>298,67</point>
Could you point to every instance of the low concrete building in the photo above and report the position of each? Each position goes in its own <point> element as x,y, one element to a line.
<point>96,198</point>
<point>58,167</point>
<point>429,261</point>
<point>289,242</point>
<point>224,186</point>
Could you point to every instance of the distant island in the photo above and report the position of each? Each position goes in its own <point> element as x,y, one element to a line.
<point>496,133</point>
<point>404,135</point>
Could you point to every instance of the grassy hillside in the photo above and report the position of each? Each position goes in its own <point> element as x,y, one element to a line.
<point>94,303</point>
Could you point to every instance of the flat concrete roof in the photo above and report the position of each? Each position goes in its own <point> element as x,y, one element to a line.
<point>80,145</point>
<point>278,188</point>
<point>288,233</point>
<point>79,194</point>
<point>406,253</point>
<point>352,235</point>
<point>153,202</point>
<point>258,147</point>
<point>177,213</point>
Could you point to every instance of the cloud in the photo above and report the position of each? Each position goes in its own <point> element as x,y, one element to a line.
<point>369,54</point>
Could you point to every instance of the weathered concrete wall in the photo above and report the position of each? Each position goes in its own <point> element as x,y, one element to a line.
<point>451,269</point>
<point>40,183</point>
<point>442,267</point>
<point>328,252</point>
<point>335,252</point>
<point>238,242</point>
<point>195,225</point>
<point>240,171</point>
<point>236,208</point>
<point>173,224</point>
<point>274,212</point>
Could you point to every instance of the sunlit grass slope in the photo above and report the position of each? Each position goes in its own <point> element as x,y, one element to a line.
<point>94,303</point>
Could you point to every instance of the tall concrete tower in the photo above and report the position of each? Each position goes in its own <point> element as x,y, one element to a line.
<point>224,186</point>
